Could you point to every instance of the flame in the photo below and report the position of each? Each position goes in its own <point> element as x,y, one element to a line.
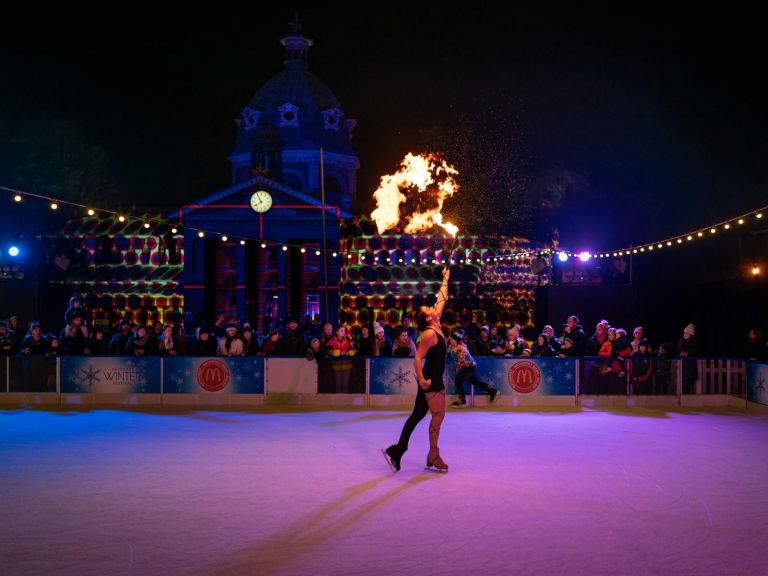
<point>422,184</point>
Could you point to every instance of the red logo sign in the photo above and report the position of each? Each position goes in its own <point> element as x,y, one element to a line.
<point>524,376</point>
<point>213,375</point>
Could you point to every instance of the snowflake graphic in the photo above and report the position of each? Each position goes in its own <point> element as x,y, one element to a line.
<point>90,376</point>
<point>399,378</point>
<point>760,383</point>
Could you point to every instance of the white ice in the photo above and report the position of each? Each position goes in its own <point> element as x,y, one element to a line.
<point>571,492</point>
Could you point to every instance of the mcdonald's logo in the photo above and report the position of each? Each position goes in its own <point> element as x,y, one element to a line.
<point>213,375</point>
<point>524,376</point>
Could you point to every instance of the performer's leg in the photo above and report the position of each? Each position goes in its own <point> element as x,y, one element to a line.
<point>436,402</point>
<point>420,409</point>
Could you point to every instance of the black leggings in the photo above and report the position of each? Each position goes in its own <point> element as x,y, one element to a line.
<point>420,409</point>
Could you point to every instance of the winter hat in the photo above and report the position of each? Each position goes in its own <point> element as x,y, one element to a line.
<point>643,342</point>
<point>458,335</point>
<point>690,330</point>
<point>377,328</point>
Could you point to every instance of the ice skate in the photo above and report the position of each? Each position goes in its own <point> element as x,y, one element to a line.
<point>434,462</point>
<point>459,404</point>
<point>493,393</point>
<point>392,455</point>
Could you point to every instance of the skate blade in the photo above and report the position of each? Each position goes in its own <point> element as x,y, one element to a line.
<point>433,469</point>
<point>389,462</point>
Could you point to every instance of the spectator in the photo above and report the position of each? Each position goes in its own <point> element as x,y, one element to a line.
<point>687,347</point>
<point>405,322</point>
<point>204,343</point>
<point>230,344</point>
<point>598,339</point>
<point>365,342</point>
<point>273,345</point>
<point>621,345</point>
<point>403,346</point>
<point>98,344</point>
<point>641,368</point>
<point>75,306</point>
<point>315,350</point>
<point>381,345</point>
<point>549,332</point>
<point>142,343</point>
<point>327,335</point>
<point>53,345</point>
<point>566,348</point>
<point>8,344</point>
<point>250,344</point>
<point>118,345</point>
<point>295,342</point>
<point>34,344</point>
<point>74,337</point>
<point>339,344</point>
<point>514,346</point>
<point>575,332</point>
<point>483,344</point>
<point>167,342</point>
<point>542,349</point>
<point>638,334</point>
<point>14,325</point>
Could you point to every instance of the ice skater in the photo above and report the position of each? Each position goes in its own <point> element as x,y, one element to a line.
<point>466,370</point>
<point>430,394</point>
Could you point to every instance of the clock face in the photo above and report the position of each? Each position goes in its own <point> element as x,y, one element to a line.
<point>261,201</point>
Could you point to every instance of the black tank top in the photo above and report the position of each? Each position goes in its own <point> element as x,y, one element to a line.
<point>434,364</point>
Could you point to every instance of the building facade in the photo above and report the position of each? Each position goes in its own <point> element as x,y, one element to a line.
<point>267,250</point>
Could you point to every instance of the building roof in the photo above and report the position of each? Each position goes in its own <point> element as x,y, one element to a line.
<point>252,183</point>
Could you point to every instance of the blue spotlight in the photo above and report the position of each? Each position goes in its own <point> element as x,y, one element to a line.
<point>562,256</point>
<point>13,251</point>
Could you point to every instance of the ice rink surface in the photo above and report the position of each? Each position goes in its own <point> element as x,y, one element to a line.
<point>593,492</point>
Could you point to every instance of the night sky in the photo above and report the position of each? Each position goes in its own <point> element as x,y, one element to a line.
<point>656,121</point>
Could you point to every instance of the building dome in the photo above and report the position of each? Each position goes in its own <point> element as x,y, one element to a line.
<point>295,105</point>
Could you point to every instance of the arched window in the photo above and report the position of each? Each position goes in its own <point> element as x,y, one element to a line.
<point>333,191</point>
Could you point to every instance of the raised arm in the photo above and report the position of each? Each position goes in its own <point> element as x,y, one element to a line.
<point>442,295</point>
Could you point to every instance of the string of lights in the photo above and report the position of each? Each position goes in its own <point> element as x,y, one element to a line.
<point>147,223</point>
<point>491,258</point>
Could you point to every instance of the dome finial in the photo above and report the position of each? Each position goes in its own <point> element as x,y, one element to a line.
<point>296,45</point>
<point>295,25</point>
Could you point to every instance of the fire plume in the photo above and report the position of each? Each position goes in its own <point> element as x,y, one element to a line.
<point>410,200</point>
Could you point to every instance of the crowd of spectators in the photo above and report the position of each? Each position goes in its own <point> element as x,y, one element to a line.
<point>227,337</point>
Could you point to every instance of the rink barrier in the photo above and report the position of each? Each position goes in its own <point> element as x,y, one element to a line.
<point>374,381</point>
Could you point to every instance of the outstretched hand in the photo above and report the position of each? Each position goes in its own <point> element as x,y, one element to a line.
<point>446,272</point>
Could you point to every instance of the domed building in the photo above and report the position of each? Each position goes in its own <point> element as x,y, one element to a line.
<point>294,178</point>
